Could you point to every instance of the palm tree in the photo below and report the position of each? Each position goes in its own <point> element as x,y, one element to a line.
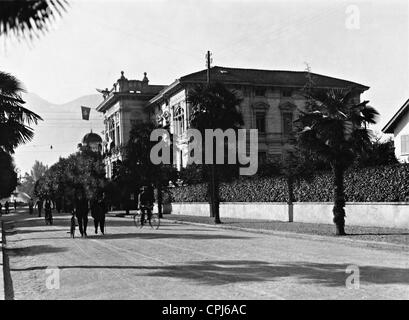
<point>335,129</point>
<point>214,107</point>
<point>15,120</point>
<point>28,18</point>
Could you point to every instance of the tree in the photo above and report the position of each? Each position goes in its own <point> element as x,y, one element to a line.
<point>26,184</point>
<point>15,120</point>
<point>8,175</point>
<point>28,18</point>
<point>28,181</point>
<point>214,107</point>
<point>82,171</point>
<point>295,165</point>
<point>20,18</point>
<point>38,170</point>
<point>377,153</point>
<point>137,169</point>
<point>334,128</point>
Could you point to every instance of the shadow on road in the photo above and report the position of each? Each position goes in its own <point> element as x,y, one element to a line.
<point>159,235</point>
<point>143,235</point>
<point>34,231</point>
<point>34,250</point>
<point>220,272</point>
<point>378,234</point>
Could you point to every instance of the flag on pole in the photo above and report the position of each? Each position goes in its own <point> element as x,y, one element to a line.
<point>85,112</point>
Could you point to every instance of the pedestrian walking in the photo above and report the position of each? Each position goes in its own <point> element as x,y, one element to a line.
<point>73,224</point>
<point>7,207</point>
<point>30,206</point>
<point>81,212</point>
<point>39,206</point>
<point>1,209</point>
<point>15,205</point>
<point>99,209</point>
<point>48,212</point>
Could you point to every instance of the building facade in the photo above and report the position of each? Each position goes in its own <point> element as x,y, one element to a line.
<point>123,105</point>
<point>398,125</point>
<point>270,102</point>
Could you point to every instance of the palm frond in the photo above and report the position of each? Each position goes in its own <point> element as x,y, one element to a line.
<point>29,18</point>
<point>14,118</point>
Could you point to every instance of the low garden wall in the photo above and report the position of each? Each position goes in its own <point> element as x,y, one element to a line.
<point>376,196</point>
<point>374,214</point>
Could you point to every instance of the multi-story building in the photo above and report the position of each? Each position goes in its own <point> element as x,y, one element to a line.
<point>270,101</point>
<point>122,106</point>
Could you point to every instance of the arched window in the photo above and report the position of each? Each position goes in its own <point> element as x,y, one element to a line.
<point>179,120</point>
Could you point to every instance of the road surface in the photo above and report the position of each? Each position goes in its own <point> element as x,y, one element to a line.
<point>192,262</point>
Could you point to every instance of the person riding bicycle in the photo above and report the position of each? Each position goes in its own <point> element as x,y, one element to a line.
<point>146,199</point>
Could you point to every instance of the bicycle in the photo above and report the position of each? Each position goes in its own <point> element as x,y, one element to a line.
<point>154,221</point>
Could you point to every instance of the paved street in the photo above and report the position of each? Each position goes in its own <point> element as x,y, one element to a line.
<point>193,262</point>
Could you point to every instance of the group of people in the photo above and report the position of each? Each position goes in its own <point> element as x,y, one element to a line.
<point>40,204</point>
<point>82,206</point>
<point>7,207</point>
<point>98,208</point>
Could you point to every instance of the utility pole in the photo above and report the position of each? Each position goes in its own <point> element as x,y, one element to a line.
<point>208,62</point>
<point>214,212</point>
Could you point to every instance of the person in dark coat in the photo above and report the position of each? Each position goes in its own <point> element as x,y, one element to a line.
<point>30,206</point>
<point>99,209</point>
<point>48,211</point>
<point>6,207</point>
<point>39,206</point>
<point>81,212</point>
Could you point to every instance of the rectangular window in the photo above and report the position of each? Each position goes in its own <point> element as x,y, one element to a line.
<point>118,137</point>
<point>287,92</point>
<point>287,123</point>
<point>260,91</point>
<point>404,144</point>
<point>261,121</point>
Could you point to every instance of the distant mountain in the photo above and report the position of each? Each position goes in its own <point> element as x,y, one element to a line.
<point>60,131</point>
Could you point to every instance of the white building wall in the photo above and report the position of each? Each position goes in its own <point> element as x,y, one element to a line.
<point>401,129</point>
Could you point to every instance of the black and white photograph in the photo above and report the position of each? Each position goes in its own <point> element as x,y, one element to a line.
<point>204,155</point>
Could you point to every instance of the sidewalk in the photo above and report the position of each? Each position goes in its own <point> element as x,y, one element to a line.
<point>1,265</point>
<point>375,237</point>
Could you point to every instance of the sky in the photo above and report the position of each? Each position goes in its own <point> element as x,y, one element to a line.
<point>362,41</point>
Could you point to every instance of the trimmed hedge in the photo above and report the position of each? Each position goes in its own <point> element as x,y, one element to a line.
<point>375,184</point>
